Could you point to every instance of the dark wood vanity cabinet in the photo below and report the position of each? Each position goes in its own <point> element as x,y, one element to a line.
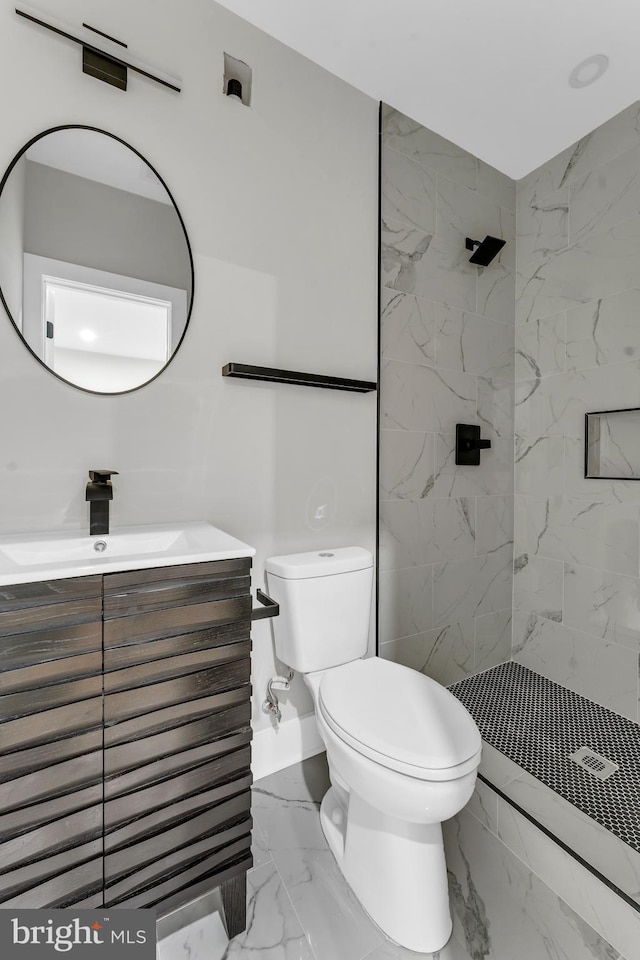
<point>125,739</point>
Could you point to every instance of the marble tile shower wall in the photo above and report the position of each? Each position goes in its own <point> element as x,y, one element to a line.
<point>577,541</point>
<point>447,348</point>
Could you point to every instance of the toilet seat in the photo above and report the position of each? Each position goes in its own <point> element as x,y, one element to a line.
<point>399,718</point>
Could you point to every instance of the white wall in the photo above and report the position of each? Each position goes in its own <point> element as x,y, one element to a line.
<point>12,240</point>
<point>279,201</point>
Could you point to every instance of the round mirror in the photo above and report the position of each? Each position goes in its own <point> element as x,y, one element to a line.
<point>96,270</point>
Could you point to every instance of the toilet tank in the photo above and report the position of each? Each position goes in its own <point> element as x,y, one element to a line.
<point>325,605</point>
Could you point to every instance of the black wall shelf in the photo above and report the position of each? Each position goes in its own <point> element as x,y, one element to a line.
<point>246,371</point>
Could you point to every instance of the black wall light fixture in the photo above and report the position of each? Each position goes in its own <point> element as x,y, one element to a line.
<point>96,62</point>
<point>469,444</point>
<point>488,248</point>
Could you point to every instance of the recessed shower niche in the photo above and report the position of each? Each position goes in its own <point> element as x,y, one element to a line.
<point>612,444</point>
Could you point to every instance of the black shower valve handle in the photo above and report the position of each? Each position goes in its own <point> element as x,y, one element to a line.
<point>469,444</point>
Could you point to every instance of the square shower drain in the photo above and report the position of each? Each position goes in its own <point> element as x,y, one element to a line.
<point>593,763</point>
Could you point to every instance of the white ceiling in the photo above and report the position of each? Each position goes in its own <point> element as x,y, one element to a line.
<point>490,75</point>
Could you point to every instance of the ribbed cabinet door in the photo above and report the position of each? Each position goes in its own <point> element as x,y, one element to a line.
<point>51,743</point>
<point>177,731</point>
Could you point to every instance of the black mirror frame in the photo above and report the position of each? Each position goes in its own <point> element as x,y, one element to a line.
<point>18,156</point>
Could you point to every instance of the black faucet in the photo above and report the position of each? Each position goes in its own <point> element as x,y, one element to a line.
<point>99,493</point>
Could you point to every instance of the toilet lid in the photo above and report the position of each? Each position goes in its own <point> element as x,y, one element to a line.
<point>399,713</point>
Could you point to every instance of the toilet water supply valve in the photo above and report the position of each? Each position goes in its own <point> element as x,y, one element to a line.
<point>271,704</point>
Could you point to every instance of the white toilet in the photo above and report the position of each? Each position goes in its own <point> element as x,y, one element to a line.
<point>403,752</point>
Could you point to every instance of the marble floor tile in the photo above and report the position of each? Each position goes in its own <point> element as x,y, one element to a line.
<point>503,910</point>
<point>286,806</point>
<point>391,951</point>
<point>273,929</point>
<point>258,847</point>
<point>204,939</point>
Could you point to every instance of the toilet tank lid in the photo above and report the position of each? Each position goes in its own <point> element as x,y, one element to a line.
<point>319,563</point>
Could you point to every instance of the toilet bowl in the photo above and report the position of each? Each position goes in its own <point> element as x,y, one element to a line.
<point>403,752</point>
<point>403,758</point>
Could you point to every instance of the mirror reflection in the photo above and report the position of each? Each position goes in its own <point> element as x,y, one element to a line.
<point>95,267</point>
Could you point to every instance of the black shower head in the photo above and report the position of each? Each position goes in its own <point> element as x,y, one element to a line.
<point>488,248</point>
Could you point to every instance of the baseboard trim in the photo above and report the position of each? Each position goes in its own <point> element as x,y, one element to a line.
<point>277,747</point>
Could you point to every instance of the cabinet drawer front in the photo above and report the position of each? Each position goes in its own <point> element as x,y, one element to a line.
<point>147,773</point>
<point>118,583</point>
<point>129,806</point>
<point>185,821</point>
<point>154,671</point>
<point>190,883</point>
<point>212,730</point>
<point>27,761</point>
<point>160,720</point>
<point>34,701</point>
<point>47,783</point>
<point>159,596</point>
<point>39,727</point>
<point>33,874</point>
<point>52,671</point>
<point>27,818</point>
<point>202,684</point>
<point>55,615</point>
<point>54,643</point>
<point>236,840</point>
<point>65,889</point>
<point>44,592</point>
<point>67,833</point>
<point>166,623</point>
<point>117,658</point>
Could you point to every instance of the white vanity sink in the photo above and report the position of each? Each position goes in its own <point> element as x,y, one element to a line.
<point>49,556</point>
